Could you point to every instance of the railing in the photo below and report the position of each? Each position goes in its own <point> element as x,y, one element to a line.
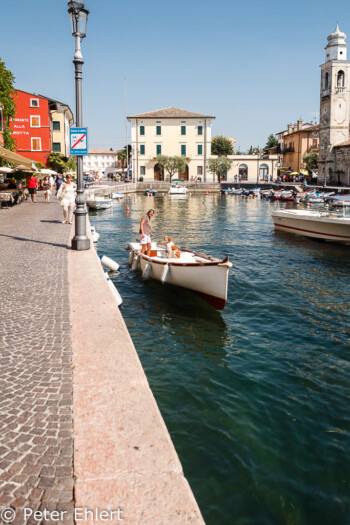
<point>340,90</point>
<point>291,149</point>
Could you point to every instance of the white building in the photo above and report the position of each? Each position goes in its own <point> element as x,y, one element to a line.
<point>100,161</point>
<point>170,131</point>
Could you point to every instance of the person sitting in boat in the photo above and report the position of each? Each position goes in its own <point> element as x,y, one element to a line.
<point>173,251</point>
<point>146,233</point>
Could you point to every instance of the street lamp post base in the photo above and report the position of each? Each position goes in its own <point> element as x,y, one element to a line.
<point>80,244</point>
<point>80,240</point>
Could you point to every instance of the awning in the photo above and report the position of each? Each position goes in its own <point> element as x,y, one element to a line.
<point>16,159</point>
<point>304,172</point>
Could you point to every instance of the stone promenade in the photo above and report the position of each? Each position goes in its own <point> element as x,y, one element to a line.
<point>36,436</point>
<point>81,437</point>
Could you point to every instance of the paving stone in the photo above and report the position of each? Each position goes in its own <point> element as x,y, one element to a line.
<point>36,422</point>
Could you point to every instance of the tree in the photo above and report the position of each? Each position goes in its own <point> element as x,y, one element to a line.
<point>58,162</point>
<point>122,156</point>
<point>219,166</point>
<point>7,91</point>
<point>172,165</point>
<point>221,146</point>
<point>272,142</point>
<point>310,161</point>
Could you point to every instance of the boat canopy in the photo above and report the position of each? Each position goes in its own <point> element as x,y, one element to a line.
<point>177,180</point>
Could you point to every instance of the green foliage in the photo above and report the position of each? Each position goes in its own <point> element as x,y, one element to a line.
<point>272,142</point>
<point>310,161</point>
<point>58,162</point>
<point>71,164</point>
<point>7,89</point>
<point>219,166</point>
<point>221,146</point>
<point>172,165</point>
<point>122,156</point>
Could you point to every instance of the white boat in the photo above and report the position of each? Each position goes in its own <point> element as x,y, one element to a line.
<point>177,187</point>
<point>236,191</point>
<point>202,274</point>
<point>318,225</point>
<point>116,195</point>
<point>99,202</point>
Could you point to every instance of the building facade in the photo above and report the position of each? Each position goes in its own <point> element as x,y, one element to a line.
<point>252,169</point>
<point>41,125</point>
<point>334,106</point>
<point>294,142</point>
<point>100,161</point>
<point>32,126</point>
<point>172,132</point>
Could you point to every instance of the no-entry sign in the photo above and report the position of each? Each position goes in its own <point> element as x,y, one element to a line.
<point>78,141</point>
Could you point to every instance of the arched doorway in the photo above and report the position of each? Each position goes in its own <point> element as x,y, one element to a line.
<point>158,173</point>
<point>184,175</point>
<point>264,172</point>
<point>243,172</point>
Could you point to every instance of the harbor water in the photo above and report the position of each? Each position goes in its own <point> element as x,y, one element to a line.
<point>256,396</point>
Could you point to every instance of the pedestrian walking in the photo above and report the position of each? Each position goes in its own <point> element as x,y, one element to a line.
<point>47,188</point>
<point>66,195</point>
<point>32,184</point>
<point>59,181</point>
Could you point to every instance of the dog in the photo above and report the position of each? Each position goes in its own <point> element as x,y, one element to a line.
<point>172,250</point>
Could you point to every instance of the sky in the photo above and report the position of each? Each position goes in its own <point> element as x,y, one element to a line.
<point>253,64</point>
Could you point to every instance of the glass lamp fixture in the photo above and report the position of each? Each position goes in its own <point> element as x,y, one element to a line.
<point>78,16</point>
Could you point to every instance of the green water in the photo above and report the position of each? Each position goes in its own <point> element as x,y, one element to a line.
<point>255,397</point>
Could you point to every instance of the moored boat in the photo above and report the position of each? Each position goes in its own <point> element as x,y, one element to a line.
<point>202,274</point>
<point>149,192</point>
<point>318,225</point>
<point>99,202</point>
<point>177,187</point>
<point>116,195</point>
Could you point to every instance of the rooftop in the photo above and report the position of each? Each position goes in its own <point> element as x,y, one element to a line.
<point>170,113</point>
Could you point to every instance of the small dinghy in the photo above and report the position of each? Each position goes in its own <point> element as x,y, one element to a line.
<point>116,195</point>
<point>99,202</point>
<point>150,192</point>
<point>202,274</point>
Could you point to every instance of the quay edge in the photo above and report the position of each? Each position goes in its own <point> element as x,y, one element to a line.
<point>123,455</point>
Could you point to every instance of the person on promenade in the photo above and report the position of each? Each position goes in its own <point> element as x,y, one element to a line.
<point>47,189</point>
<point>59,181</point>
<point>66,195</point>
<point>146,232</point>
<point>32,183</point>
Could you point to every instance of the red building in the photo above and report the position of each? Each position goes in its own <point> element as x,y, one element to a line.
<point>32,126</point>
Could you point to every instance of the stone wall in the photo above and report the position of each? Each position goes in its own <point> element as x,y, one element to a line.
<point>341,175</point>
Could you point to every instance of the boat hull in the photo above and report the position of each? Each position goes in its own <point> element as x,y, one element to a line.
<point>208,279</point>
<point>315,225</point>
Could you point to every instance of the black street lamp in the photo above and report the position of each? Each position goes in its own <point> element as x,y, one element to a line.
<point>79,16</point>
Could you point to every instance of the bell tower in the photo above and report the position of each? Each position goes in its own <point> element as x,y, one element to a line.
<point>334,103</point>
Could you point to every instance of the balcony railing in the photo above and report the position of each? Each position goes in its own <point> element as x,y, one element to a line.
<point>290,149</point>
<point>340,90</point>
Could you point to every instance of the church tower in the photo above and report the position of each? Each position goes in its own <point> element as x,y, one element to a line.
<point>334,105</point>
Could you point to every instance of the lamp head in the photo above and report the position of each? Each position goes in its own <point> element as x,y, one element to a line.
<point>78,16</point>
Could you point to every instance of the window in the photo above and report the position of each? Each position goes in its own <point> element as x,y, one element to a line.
<point>340,79</point>
<point>142,149</point>
<point>200,130</point>
<point>326,80</point>
<point>142,170</point>
<point>142,130</point>
<point>36,144</point>
<point>158,149</point>
<point>56,146</point>
<point>263,172</point>
<point>199,170</point>
<point>183,130</point>
<point>158,130</point>
<point>34,102</point>
<point>200,149</point>
<point>183,150</point>
<point>243,172</point>
<point>35,121</point>
<point>56,125</point>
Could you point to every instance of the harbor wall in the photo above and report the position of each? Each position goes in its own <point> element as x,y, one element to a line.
<point>124,459</point>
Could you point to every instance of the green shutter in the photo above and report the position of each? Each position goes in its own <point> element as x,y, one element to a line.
<point>183,150</point>
<point>56,146</point>
<point>158,130</point>
<point>159,149</point>
<point>200,149</point>
<point>56,125</point>
<point>142,149</point>
<point>142,130</point>
<point>200,130</point>
<point>183,130</point>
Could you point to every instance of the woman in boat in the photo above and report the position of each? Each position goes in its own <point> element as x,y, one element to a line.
<point>146,232</point>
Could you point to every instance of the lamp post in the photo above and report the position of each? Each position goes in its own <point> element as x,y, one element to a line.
<point>79,16</point>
